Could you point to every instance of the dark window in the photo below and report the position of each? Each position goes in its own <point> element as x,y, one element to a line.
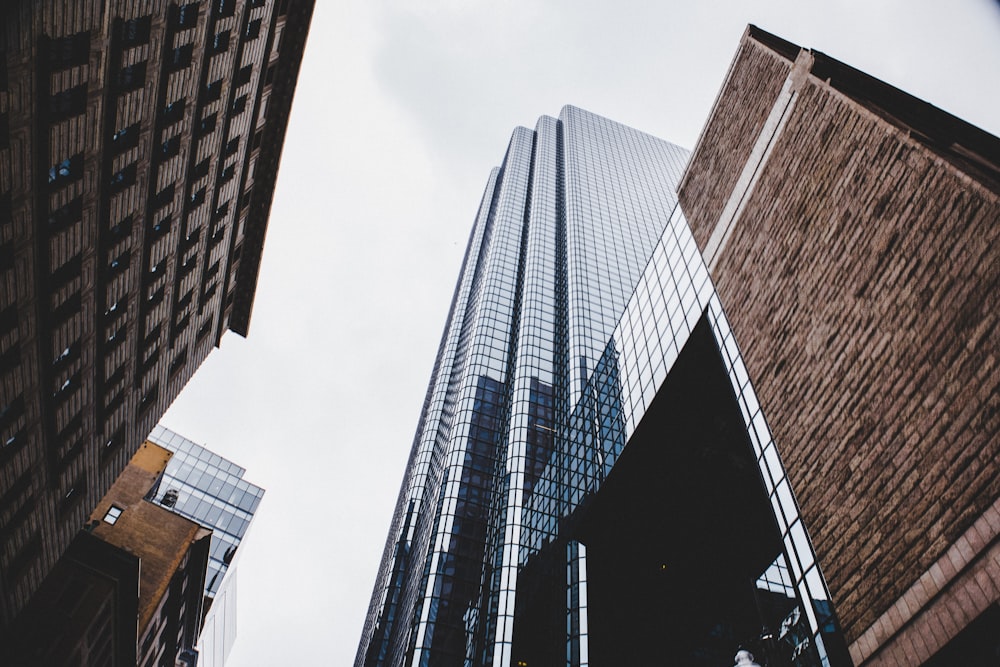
<point>201,169</point>
<point>66,309</point>
<point>191,239</point>
<point>65,52</point>
<point>155,297</point>
<point>119,263</point>
<point>135,31</point>
<point>67,356</point>
<point>207,125</point>
<point>164,196</point>
<point>162,227</point>
<point>231,147</point>
<point>185,300</point>
<point>205,329</point>
<point>123,178</point>
<point>243,75</point>
<point>75,494</point>
<point>66,215</point>
<point>116,337</point>
<point>116,309</point>
<point>173,112</point>
<point>197,198</point>
<point>228,173</point>
<point>8,319</point>
<point>239,105</point>
<point>188,266</point>
<point>66,387</point>
<point>185,16</point>
<point>253,30</point>
<point>212,270</point>
<point>66,171</point>
<point>213,91</point>
<point>221,211</point>
<point>180,58</point>
<point>223,8</point>
<point>10,359</point>
<point>68,103</point>
<point>150,398</point>
<point>170,147</point>
<point>183,324</point>
<point>126,138</point>
<point>210,292</point>
<point>68,271</point>
<point>122,230</point>
<point>269,77</point>
<point>220,42</point>
<point>11,412</point>
<point>132,77</point>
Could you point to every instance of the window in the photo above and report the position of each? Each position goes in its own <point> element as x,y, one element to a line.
<point>231,147</point>
<point>66,171</point>
<point>132,77</point>
<point>253,30</point>
<point>243,75</point>
<point>201,169</point>
<point>213,91</point>
<point>125,138</point>
<point>185,16</point>
<point>180,58</point>
<point>220,43</point>
<point>66,52</point>
<point>228,173</point>
<point>223,8</point>
<point>173,112</point>
<point>162,227</point>
<point>68,103</point>
<point>207,125</point>
<point>239,105</point>
<point>122,230</point>
<point>135,31</point>
<point>170,147</point>
<point>123,178</point>
<point>164,197</point>
<point>112,515</point>
<point>197,198</point>
<point>118,264</point>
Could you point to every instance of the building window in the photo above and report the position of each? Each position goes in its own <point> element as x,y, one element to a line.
<point>197,198</point>
<point>123,178</point>
<point>239,105</point>
<point>170,147</point>
<point>125,138</point>
<point>253,30</point>
<point>180,58</point>
<point>135,31</point>
<point>66,171</point>
<point>220,43</point>
<point>68,103</point>
<point>213,91</point>
<point>207,125</point>
<point>118,264</point>
<point>173,112</point>
<point>113,514</point>
<point>201,169</point>
<point>66,52</point>
<point>224,8</point>
<point>164,197</point>
<point>243,75</point>
<point>231,147</point>
<point>185,16</point>
<point>132,77</point>
<point>162,227</point>
<point>228,173</point>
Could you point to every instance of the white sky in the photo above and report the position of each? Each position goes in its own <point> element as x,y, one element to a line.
<point>401,110</point>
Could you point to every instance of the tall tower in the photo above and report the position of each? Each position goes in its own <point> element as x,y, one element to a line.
<point>580,286</point>
<point>139,145</point>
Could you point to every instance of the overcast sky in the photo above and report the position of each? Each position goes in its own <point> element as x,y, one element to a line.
<point>401,110</point>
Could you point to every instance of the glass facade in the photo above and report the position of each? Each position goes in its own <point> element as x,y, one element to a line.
<point>206,488</point>
<point>579,291</point>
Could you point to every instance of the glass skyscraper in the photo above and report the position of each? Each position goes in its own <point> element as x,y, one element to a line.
<point>210,490</point>
<point>526,533</point>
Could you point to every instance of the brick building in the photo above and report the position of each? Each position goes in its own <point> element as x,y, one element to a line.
<point>851,231</point>
<point>128,591</point>
<point>139,146</point>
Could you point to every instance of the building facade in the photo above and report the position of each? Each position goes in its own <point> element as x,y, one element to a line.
<point>526,532</point>
<point>139,146</point>
<point>128,591</point>
<point>595,477</point>
<point>851,232</point>
<point>202,486</point>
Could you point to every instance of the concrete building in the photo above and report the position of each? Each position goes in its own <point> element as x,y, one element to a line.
<point>129,589</point>
<point>139,146</point>
<point>679,413</point>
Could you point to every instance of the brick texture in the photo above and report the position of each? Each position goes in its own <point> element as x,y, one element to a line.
<point>862,283</point>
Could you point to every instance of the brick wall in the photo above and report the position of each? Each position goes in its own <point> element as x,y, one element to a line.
<point>862,282</point>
